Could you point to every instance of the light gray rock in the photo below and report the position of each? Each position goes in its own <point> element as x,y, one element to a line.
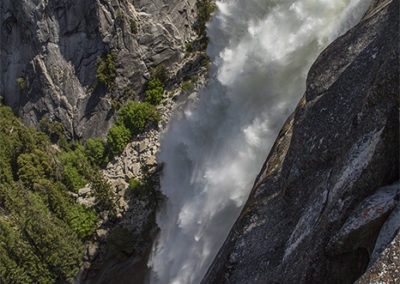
<point>87,201</point>
<point>101,234</point>
<point>51,47</point>
<point>84,191</point>
<point>92,250</point>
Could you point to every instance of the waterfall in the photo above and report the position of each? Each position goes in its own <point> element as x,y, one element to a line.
<point>261,51</point>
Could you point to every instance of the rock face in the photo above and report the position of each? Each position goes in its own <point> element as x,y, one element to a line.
<point>387,268</point>
<point>49,52</point>
<point>135,212</point>
<point>317,207</point>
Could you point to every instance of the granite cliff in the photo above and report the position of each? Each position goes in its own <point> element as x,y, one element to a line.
<point>50,51</point>
<point>326,201</point>
<point>325,206</point>
<point>49,64</point>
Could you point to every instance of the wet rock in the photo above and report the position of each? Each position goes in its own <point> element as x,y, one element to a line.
<point>314,215</point>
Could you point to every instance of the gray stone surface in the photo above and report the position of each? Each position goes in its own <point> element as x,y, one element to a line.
<point>53,46</point>
<point>387,268</point>
<point>308,219</point>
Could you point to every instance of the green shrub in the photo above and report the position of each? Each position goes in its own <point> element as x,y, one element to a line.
<point>77,168</point>
<point>134,184</point>
<point>95,151</point>
<point>106,70</point>
<point>117,138</point>
<point>129,93</point>
<point>119,18</point>
<point>72,178</point>
<point>160,72</point>
<point>189,47</point>
<point>132,120</point>
<point>187,86</point>
<point>135,187</point>
<point>155,86</point>
<point>134,28</point>
<point>154,96</point>
<point>82,220</point>
<point>115,104</point>
<point>6,174</point>
<point>103,193</point>
<point>33,166</point>
<point>55,130</point>
<point>154,83</point>
<point>21,83</point>
<point>120,14</point>
<point>135,116</point>
<point>204,10</point>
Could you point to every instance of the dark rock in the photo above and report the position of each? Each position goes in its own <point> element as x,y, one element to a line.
<point>304,221</point>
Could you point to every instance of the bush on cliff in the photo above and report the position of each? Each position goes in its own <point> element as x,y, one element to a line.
<point>132,120</point>
<point>106,70</point>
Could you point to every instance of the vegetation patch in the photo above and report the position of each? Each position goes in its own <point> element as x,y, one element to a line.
<point>135,187</point>
<point>95,151</point>
<point>205,8</point>
<point>134,28</point>
<point>42,227</point>
<point>21,83</point>
<point>155,86</point>
<point>106,70</point>
<point>56,131</point>
<point>187,86</point>
<point>132,120</point>
<point>154,92</point>
<point>160,72</point>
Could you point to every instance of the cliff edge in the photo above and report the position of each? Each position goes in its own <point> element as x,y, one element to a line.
<point>326,201</point>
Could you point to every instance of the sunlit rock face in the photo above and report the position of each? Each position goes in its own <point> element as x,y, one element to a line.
<point>50,50</point>
<point>317,207</point>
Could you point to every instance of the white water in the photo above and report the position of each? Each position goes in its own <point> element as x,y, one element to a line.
<point>261,51</point>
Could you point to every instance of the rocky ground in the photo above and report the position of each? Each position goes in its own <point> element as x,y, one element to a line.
<point>136,212</point>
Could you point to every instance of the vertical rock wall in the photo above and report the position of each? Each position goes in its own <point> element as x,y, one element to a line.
<point>49,52</point>
<point>317,206</point>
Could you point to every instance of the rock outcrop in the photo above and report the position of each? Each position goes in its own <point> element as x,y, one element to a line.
<point>387,268</point>
<point>317,207</point>
<point>50,53</point>
<point>50,50</point>
<point>135,212</point>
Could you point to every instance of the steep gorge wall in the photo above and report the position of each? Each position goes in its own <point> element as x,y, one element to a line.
<point>49,52</point>
<point>320,201</point>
